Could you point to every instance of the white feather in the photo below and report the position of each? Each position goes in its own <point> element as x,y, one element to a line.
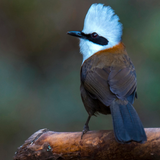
<point>102,20</point>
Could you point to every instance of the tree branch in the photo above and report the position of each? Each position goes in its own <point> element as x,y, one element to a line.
<point>96,145</point>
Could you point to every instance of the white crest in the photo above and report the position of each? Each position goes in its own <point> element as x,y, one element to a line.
<point>102,20</point>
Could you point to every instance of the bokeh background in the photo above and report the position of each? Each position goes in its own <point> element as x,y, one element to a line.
<point>40,66</point>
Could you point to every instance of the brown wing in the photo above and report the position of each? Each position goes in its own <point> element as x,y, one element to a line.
<point>96,83</point>
<point>120,82</point>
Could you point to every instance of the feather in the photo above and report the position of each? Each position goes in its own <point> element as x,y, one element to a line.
<point>127,125</point>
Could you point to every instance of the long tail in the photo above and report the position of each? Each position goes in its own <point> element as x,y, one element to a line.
<point>127,124</point>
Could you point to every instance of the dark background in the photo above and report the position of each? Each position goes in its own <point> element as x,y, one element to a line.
<point>40,65</point>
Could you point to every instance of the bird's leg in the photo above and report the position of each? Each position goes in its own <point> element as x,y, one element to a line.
<point>86,127</point>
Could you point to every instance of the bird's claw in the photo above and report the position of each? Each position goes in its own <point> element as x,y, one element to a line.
<point>85,130</point>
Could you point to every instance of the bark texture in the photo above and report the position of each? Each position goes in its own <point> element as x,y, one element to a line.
<point>95,145</point>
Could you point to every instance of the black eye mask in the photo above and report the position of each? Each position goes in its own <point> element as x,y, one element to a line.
<point>93,37</point>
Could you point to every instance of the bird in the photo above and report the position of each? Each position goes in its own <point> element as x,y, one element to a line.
<point>107,74</point>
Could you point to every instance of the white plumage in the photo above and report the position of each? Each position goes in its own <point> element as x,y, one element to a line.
<point>102,20</point>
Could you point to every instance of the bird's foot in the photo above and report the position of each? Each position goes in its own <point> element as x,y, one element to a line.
<point>85,130</point>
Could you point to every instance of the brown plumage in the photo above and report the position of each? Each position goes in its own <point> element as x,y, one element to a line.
<point>106,75</point>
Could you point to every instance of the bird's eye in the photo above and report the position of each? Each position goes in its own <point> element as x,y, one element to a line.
<point>94,35</point>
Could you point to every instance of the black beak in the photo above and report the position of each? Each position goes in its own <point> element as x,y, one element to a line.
<point>75,33</point>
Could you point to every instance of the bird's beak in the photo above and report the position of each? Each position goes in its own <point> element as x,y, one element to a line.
<point>76,33</point>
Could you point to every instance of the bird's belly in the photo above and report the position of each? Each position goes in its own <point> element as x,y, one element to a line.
<point>101,108</point>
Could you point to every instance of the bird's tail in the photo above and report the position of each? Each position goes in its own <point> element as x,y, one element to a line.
<point>127,124</point>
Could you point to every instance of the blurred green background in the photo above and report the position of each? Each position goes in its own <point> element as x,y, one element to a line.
<point>40,66</point>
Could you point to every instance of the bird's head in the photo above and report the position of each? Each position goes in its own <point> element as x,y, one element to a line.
<point>101,30</point>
